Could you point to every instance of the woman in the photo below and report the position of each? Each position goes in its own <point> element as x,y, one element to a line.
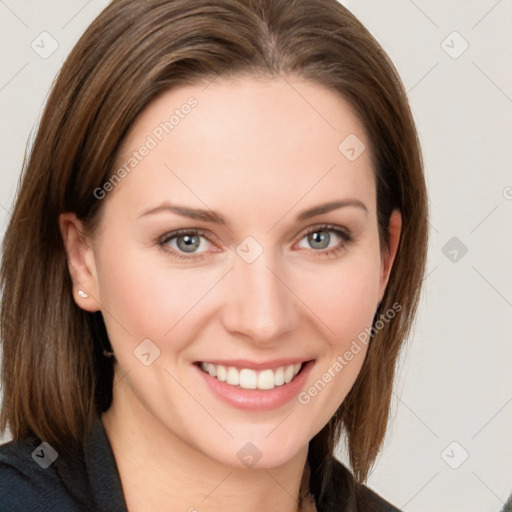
<point>213,260</point>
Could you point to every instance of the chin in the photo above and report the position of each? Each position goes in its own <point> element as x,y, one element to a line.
<point>258,451</point>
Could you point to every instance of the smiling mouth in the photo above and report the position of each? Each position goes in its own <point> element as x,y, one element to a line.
<point>247,378</point>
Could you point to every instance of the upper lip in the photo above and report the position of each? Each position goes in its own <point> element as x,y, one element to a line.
<point>252,365</point>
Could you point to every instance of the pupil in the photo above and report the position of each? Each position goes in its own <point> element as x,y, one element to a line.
<point>188,243</point>
<point>319,239</point>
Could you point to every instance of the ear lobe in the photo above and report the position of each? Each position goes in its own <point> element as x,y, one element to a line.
<point>395,228</point>
<point>81,262</point>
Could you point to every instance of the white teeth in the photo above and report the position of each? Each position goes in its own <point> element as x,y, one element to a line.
<point>248,379</point>
<point>266,379</point>
<point>288,373</point>
<point>233,376</point>
<point>222,373</point>
<point>279,377</point>
<point>251,379</point>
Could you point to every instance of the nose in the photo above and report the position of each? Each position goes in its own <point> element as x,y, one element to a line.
<point>259,304</point>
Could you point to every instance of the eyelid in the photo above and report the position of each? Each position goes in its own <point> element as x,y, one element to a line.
<point>345,233</point>
<point>163,240</point>
<point>340,231</point>
<point>184,231</point>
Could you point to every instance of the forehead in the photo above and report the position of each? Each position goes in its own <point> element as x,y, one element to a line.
<point>247,140</point>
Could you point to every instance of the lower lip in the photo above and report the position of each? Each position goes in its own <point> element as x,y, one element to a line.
<point>257,399</point>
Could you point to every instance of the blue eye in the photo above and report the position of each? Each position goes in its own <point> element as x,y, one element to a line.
<point>194,244</point>
<point>187,242</point>
<point>324,238</point>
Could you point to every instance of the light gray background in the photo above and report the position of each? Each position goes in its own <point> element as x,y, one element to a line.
<point>454,384</point>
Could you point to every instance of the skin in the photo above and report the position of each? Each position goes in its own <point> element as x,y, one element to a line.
<point>259,152</point>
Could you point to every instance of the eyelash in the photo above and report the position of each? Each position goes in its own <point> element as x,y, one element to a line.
<point>345,235</point>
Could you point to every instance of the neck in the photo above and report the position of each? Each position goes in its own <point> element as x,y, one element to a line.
<point>158,470</point>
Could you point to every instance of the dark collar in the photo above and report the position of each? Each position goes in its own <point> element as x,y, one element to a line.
<point>92,477</point>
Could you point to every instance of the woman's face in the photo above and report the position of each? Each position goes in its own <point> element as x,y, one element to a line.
<point>241,234</point>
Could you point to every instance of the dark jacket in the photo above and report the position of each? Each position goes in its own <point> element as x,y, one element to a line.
<point>33,480</point>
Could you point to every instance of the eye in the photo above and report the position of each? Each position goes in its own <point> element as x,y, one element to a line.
<point>193,243</point>
<point>186,242</point>
<point>325,239</point>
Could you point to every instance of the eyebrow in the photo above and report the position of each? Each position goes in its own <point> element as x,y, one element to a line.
<point>217,218</point>
<point>328,207</point>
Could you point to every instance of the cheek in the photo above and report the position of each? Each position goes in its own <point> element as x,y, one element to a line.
<point>344,298</point>
<point>142,297</point>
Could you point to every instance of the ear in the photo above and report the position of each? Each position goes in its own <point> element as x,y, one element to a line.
<point>81,262</point>
<point>388,257</point>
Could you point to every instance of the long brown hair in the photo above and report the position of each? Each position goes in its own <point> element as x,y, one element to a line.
<point>55,379</point>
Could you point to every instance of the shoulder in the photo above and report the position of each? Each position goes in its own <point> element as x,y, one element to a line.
<point>360,497</point>
<point>369,500</point>
<point>29,480</point>
<point>35,478</point>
